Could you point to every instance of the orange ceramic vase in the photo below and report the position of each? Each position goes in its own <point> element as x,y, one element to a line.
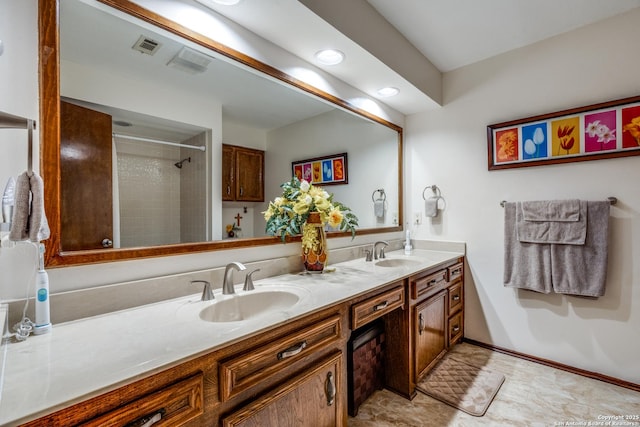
<point>314,244</point>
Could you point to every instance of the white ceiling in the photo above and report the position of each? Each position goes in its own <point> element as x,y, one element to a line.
<point>450,33</point>
<point>455,33</point>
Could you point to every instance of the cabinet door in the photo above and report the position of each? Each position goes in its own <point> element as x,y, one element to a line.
<point>249,175</point>
<point>311,399</point>
<point>228,173</point>
<point>430,326</point>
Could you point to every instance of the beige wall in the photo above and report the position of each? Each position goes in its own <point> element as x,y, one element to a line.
<point>448,147</point>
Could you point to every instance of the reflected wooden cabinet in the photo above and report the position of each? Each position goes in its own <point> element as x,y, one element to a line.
<point>242,174</point>
<point>308,400</point>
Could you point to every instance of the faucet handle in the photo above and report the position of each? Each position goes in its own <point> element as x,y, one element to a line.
<point>207,293</point>
<point>248,281</point>
<point>368,255</point>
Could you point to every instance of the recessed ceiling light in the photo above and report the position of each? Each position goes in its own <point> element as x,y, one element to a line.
<point>329,56</point>
<point>388,91</point>
<point>222,2</point>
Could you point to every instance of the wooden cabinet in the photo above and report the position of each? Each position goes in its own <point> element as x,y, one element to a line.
<point>417,338</point>
<point>242,174</point>
<point>430,332</point>
<point>377,306</point>
<point>259,365</point>
<point>308,400</point>
<point>174,397</point>
<point>294,374</point>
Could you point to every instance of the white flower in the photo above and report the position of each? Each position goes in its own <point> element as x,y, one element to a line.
<point>529,147</point>
<point>605,135</point>
<point>592,128</point>
<point>304,186</point>
<point>538,136</point>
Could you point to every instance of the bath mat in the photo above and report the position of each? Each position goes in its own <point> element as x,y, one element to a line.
<point>461,385</point>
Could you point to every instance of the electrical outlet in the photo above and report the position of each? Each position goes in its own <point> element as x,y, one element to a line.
<point>417,218</point>
<point>395,218</point>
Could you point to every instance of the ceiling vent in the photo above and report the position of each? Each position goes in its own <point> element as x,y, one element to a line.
<point>146,45</point>
<point>190,61</point>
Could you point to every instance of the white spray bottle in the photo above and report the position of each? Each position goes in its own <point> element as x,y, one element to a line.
<point>43,321</point>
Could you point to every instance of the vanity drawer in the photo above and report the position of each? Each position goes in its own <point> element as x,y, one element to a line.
<point>455,272</point>
<point>455,297</point>
<point>375,307</point>
<point>455,328</point>
<point>239,373</point>
<point>175,405</point>
<point>422,285</point>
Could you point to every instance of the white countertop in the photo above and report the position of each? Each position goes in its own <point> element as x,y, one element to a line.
<point>91,356</point>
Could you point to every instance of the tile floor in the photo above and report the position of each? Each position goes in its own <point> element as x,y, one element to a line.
<point>532,395</point>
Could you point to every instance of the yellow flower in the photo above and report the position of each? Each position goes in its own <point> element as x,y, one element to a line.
<point>322,204</point>
<point>267,214</point>
<point>303,204</point>
<point>229,227</point>
<point>335,217</point>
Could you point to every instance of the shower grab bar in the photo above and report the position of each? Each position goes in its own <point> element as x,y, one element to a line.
<point>9,121</point>
<point>157,141</point>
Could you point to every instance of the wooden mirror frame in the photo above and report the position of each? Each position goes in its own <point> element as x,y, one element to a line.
<point>49,75</point>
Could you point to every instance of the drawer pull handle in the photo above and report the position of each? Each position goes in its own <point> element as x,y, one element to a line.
<point>380,306</point>
<point>228,190</point>
<point>456,328</point>
<point>420,324</point>
<point>456,297</point>
<point>330,389</point>
<point>148,420</point>
<point>432,282</point>
<point>292,351</point>
<point>456,271</point>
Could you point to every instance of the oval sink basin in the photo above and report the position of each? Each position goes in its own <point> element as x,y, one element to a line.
<point>248,305</point>
<point>397,262</point>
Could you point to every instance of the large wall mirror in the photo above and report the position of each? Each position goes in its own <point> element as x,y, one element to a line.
<point>136,111</point>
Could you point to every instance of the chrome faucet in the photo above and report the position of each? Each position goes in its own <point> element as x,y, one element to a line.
<point>207,293</point>
<point>380,254</point>
<point>227,283</point>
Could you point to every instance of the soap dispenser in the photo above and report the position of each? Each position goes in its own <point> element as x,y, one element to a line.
<point>408,249</point>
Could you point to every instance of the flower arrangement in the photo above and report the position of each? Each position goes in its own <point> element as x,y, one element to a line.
<point>288,213</point>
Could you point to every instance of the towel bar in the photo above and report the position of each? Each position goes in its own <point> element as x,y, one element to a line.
<point>612,200</point>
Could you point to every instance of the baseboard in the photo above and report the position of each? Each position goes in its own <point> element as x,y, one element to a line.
<point>551,363</point>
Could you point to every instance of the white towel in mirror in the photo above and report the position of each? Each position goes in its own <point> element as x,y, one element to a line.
<point>378,208</point>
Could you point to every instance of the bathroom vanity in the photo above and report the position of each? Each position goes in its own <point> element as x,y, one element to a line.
<point>286,366</point>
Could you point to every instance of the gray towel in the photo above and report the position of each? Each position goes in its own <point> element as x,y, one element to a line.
<point>551,210</point>
<point>553,221</point>
<point>526,265</point>
<point>29,220</point>
<point>582,270</point>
